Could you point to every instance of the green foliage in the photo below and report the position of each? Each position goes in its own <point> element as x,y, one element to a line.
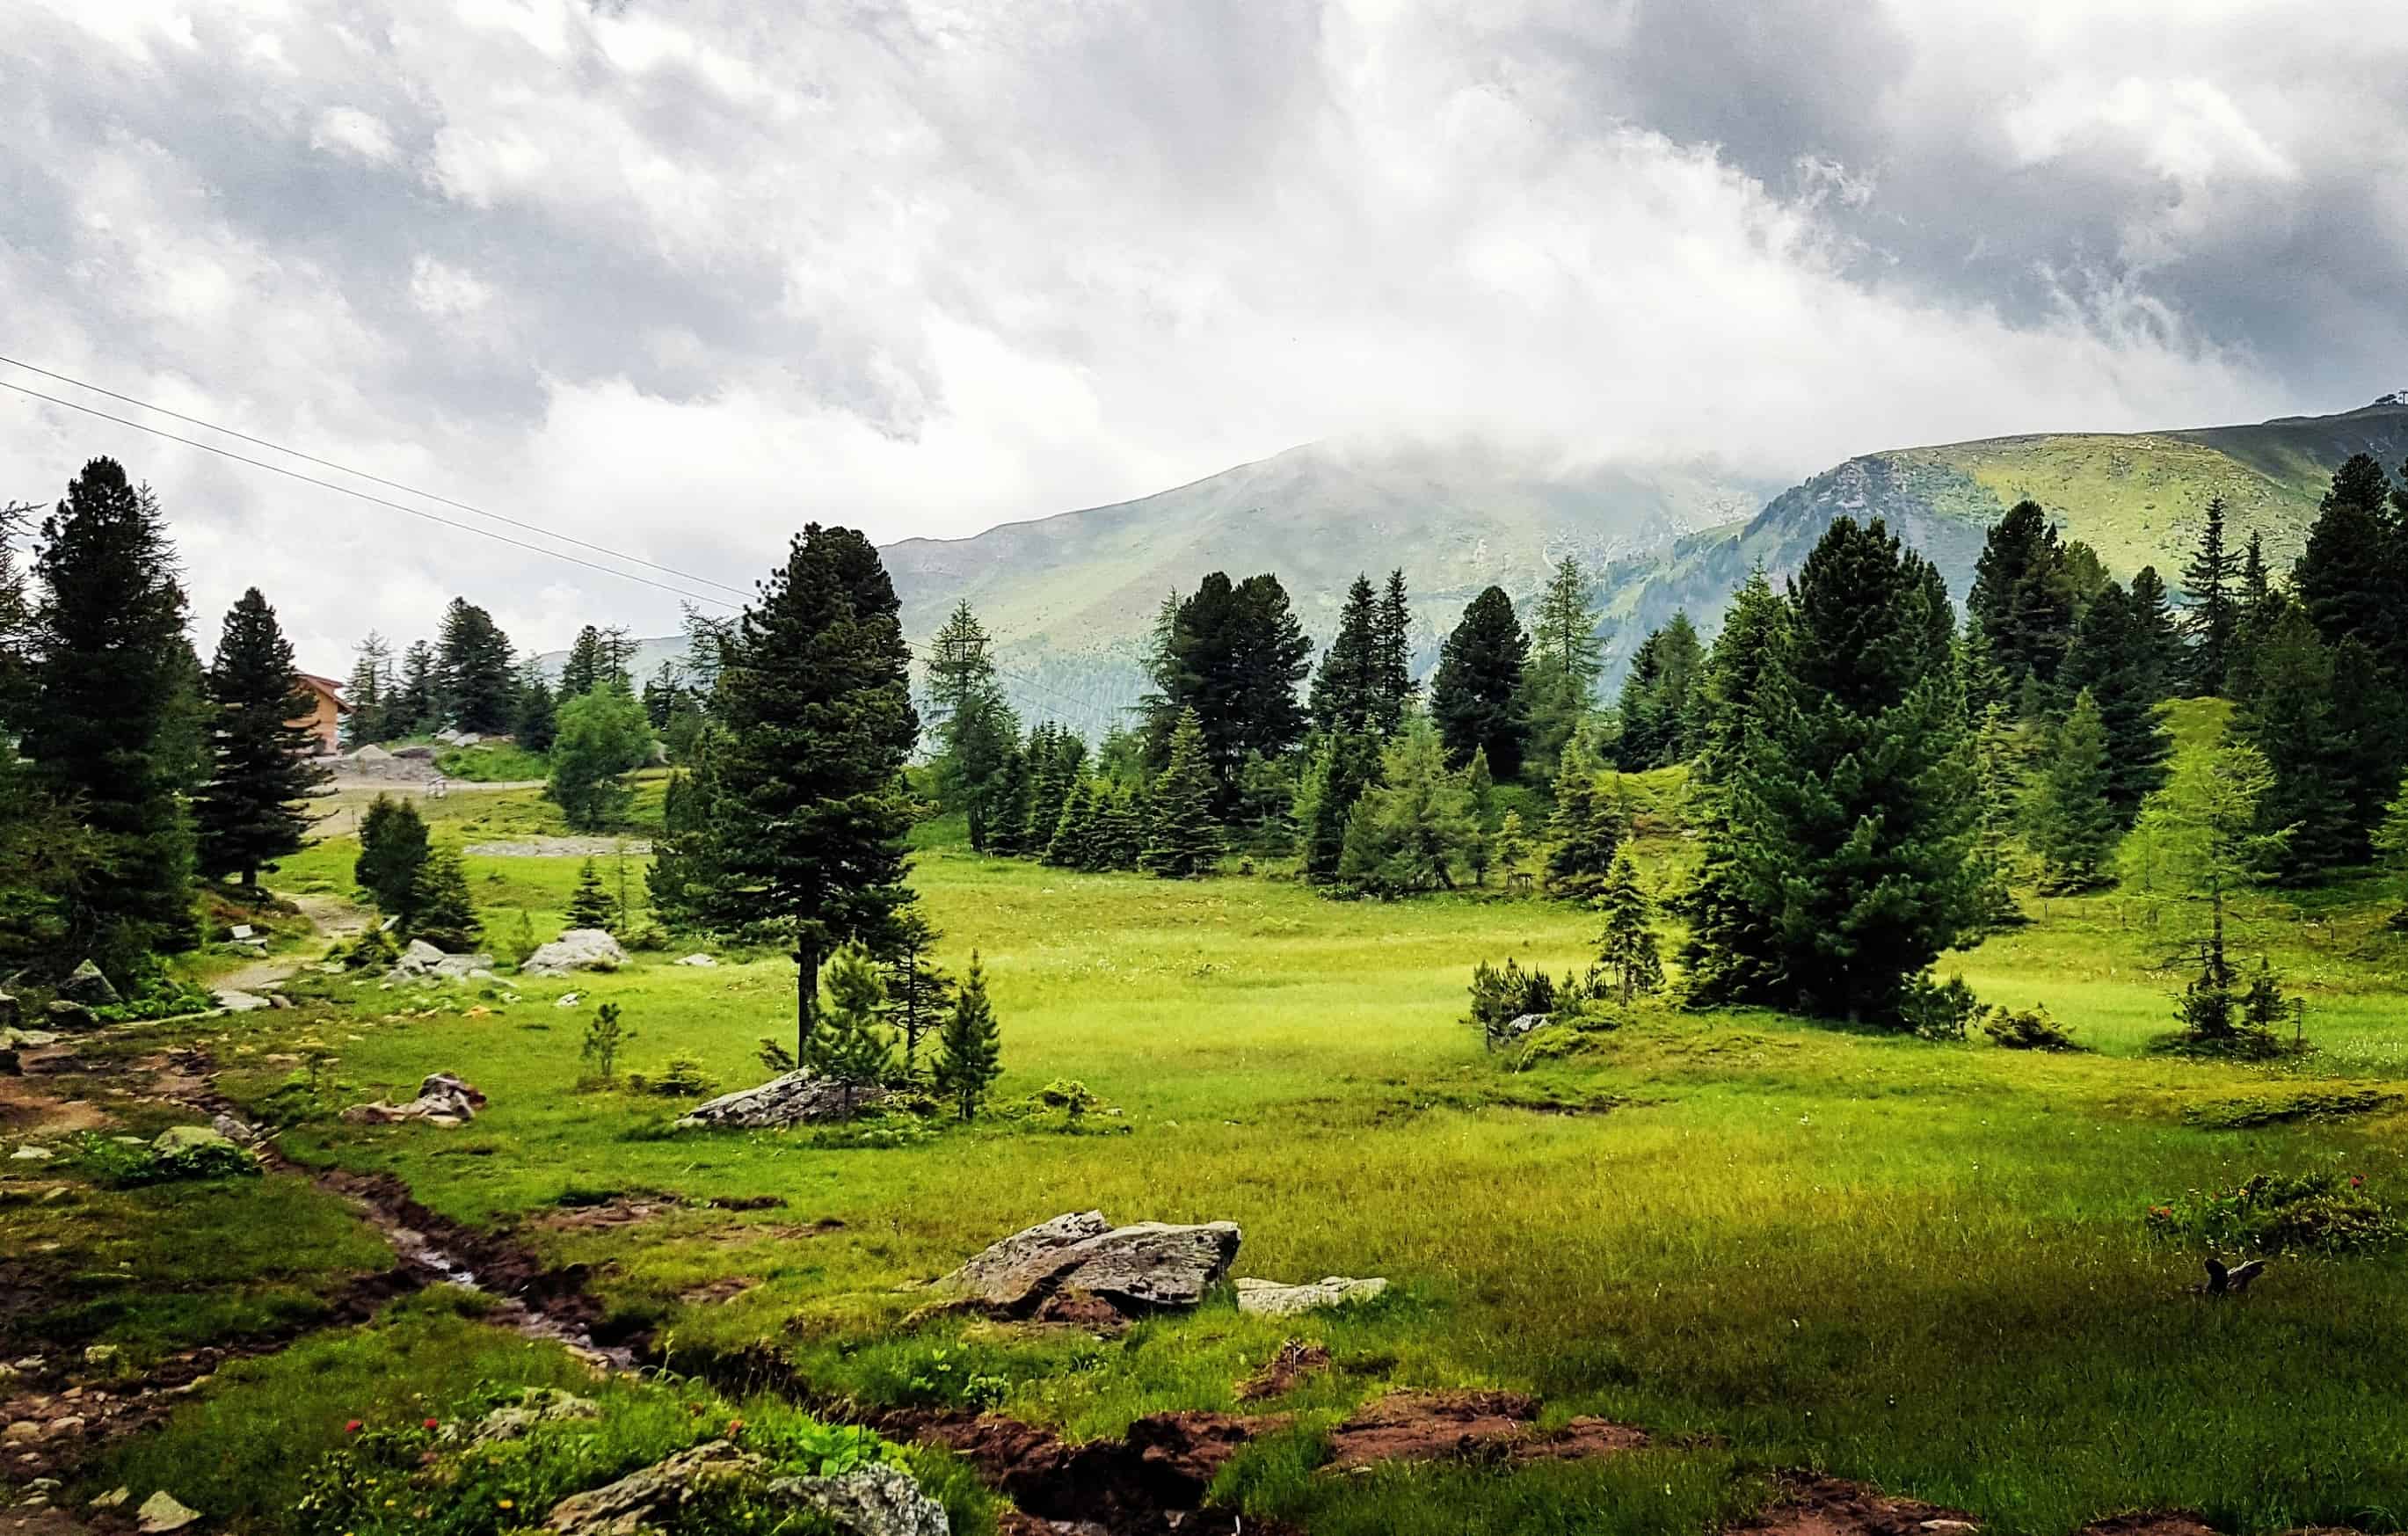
<point>475,680</point>
<point>2116,659</point>
<point>2031,1029</point>
<point>2024,596</point>
<point>439,908</point>
<point>849,1045</point>
<point>2295,1107</point>
<point>1232,655</point>
<point>1565,658</point>
<point>1661,704</point>
<point>2318,1212</point>
<point>2069,814</point>
<point>683,1077</point>
<point>1182,841</point>
<point>973,728</point>
<point>260,767</point>
<point>1342,769</point>
<point>605,1036</point>
<point>1938,1011</point>
<point>589,904</point>
<point>393,850</point>
<point>684,867</point>
<point>1626,948</point>
<point>120,1165</point>
<point>970,1052</point>
<point>602,737</point>
<point>109,721</point>
<point>1501,994</point>
<point>1585,832</point>
<point>1409,832</point>
<point>2211,613</point>
<point>1476,698</point>
<point>1346,690</point>
<point>373,949</point>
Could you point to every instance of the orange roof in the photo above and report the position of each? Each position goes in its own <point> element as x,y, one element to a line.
<point>327,686</point>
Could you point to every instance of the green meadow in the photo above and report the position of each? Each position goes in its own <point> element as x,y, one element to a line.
<point>1770,1243</point>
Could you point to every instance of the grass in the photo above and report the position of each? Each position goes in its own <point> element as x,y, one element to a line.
<point>1924,1265</point>
<point>504,762</point>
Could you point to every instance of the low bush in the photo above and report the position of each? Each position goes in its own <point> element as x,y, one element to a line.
<point>2030,1030</point>
<point>1941,1011</point>
<point>2279,1213</point>
<point>131,1165</point>
<point>682,1078</point>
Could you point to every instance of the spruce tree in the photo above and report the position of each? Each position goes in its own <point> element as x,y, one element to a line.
<point>846,1043</point>
<point>2115,660</point>
<point>2211,609</point>
<point>589,905</point>
<point>1476,698</point>
<point>1626,948</point>
<point>2072,814</point>
<point>1392,649</point>
<point>250,811</point>
<point>919,991</point>
<point>2348,577</point>
<point>2160,636</point>
<point>1658,706</point>
<point>1341,771</point>
<point>970,1052</point>
<point>1583,835</point>
<point>1075,842</point>
<point>583,669</point>
<point>110,699</point>
<point>684,868</point>
<point>815,695</point>
<point>1410,831</point>
<point>1346,687</point>
<point>535,724</point>
<point>2024,596</point>
<point>392,845</point>
<point>1182,841</point>
<point>1233,655</point>
<point>439,909</point>
<point>2286,710</point>
<point>1056,758</point>
<point>1998,779</point>
<point>371,680</point>
<point>1511,847</point>
<point>1006,831</point>
<point>1565,658</point>
<point>414,710</point>
<point>475,680</point>
<point>1479,786</point>
<point>1755,633</point>
<point>1120,829</point>
<point>1840,864</point>
<point>973,727</point>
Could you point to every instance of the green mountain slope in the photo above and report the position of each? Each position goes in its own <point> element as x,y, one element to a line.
<point>1071,598</point>
<point>2137,499</point>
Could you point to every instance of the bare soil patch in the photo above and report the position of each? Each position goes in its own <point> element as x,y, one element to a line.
<point>1470,1425</point>
<point>1148,1482</point>
<point>1284,1372</point>
<point>28,1113</point>
<point>1827,1506</point>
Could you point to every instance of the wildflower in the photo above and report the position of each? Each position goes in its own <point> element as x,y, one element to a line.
<point>735,1427</point>
<point>352,1428</point>
<point>428,1423</point>
<point>506,1503</point>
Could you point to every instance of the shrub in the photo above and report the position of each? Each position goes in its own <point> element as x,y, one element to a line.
<point>605,1036</point>
<point>1941,1011</point>
<point>2279,1213</point>
<point>373,949</point>
<point>2030,1030</point>
<point>127,1166</point>
<point>1501,994</point>
<point>682,1078</point>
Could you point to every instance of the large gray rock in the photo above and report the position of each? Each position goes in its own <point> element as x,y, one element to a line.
<point>443,1099</point>
<point>423,961</point>
<point>64,1013</point>
<point>1141,1268</point>
<point>649,1499</point>
<point>85,984</point>
<point>371,755</point>
<point>579,949</point>
<point>794,1098</point>
<point>1269,1299</point>
<point>877,1499</point>
<point>536,1405</point>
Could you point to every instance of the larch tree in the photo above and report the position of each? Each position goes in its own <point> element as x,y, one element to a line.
<point>919,991</point>
<point>1410,831</point>
<point>971,727</point>
<point>1476,699</point>
<point>260,766</point>
<point>111,699</point>
<point>815,695</point>
<point>1566,659</point>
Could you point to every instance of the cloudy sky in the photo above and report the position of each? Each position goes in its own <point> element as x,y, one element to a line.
<point>678,276</point>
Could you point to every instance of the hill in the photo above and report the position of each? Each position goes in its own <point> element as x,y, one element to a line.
<point>2137,499</point>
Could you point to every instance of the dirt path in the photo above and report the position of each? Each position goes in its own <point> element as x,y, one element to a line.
<point>330,917</point>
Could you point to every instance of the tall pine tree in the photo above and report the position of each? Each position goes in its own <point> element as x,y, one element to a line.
<point>1393,652</point>
<point>2024,596</point>
<point>2115,660</point>
<point>111,698</point>
<point>1565,658</point>
<point>476,682</point>
<point>2072,817</point>
<point>1476,699</point>
<point>250,811</point>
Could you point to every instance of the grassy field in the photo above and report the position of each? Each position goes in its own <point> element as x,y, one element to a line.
<point>1772,1244</point>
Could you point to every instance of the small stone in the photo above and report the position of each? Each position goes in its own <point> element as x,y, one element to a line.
<point>113,1497</point>
<point>29,1152</point>
<point>65,1428</point>
<point>161,1513</point>
<point>22,1431</point>
<point>699,961</point>
<point>100,1353</point>
<point>1269,1299</point>
<point>569,1000</point>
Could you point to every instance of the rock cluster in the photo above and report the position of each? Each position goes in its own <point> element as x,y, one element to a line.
<point>1145,1267</point>
<point>872,1501</point>
<point>421,961</point>
<point>579,949</point>
<point>794,1098</point>
<point>1269,1299</point>
<point>443,1099</point>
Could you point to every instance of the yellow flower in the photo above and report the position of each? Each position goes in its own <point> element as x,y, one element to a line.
<point>506,1504</point>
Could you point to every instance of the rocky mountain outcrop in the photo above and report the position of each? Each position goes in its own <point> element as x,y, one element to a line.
<point>1145,1267</point>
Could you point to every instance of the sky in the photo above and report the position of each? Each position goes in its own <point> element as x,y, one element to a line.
<point>677,277</point>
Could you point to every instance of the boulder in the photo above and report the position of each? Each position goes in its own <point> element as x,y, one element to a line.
<point>1269,1299</point>
<point>1522,1024</point>
<point>85,984</point>
<point>65,1014</point>
<point>179,1140</point>
<point>579,949</point>
<point>161,1513</point>
<point>536,1405</point>
<point>423,961</point>
<point>651,1498</point>
<point>241,1002</point>
<point>877,1499</point>
<point>443,1099</point>
<point>1141,1267</point>
<point>701,962</point>
<point>793,1099</point>
<point>232,1128</point>
<point>371,755</point>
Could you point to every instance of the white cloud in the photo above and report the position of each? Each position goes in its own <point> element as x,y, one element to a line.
<point>349,130</point>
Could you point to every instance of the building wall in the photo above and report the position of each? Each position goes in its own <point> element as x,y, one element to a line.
<point>326,722</point>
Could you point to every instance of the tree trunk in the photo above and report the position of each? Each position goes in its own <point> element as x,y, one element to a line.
<point>807,997</point>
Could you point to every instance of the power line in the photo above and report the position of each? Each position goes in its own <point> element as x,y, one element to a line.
<point>381,501</point>
<point>345,468</point>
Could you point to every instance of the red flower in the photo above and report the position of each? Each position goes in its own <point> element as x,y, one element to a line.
<point>429,1424</point>
<point>352,1428</point>
<point>735,1427</point>
<point>2355,1180</point>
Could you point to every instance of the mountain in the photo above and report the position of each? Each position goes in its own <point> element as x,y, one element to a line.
<point>2137,499</point>
<point>1071,598</point>
<point>643,662</point>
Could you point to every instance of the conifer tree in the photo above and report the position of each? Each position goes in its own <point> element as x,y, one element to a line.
<point>1074,844</point>
<point>1346,686</point>
<point>2024,595</point>
<point>1511,846</point>
<point>392,845</point>
<point>1857,723</point>
<point>2349,576</point>
<point>1120,830</point>
<point>919,992</point>
<point>1755,632</point>
<point>973,727</point>
<point>365,691</point>
<point>2115,660</point>
<point>2286,710</point>
<point>1584,834</point>
<point>1056,759</point>
<point>110,699</point>
<point>1480,787</point>
<point>1182,841</point>
<point>582,670</point>
<point>476,681</point>
<point>536,724</point>
<point>1007,804</point>
<point>970,1052</point>
<point>1626,948</point>
<point>1393,653</point>
<point>1657,706</point>
<point>1409,831</point>
<point>589,905</point>
<point>250,811</point>
<point>2207,826</point>
<point>1566,657</point>
<point>846,1043</point>
<point>684,870</point>
<point>1341,771</point>
<point>439,909</point>
<point>2072,813</point>
<point>1476,698</point>
<point>815,697</point>
<point>2160,636</point>
<point>413,711</point>
<point>1234,653</point>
